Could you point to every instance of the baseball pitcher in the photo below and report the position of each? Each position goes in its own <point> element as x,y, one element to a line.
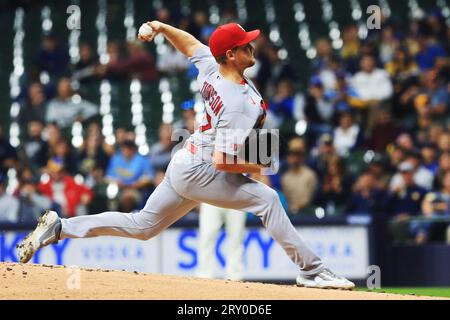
<point>207,169</point>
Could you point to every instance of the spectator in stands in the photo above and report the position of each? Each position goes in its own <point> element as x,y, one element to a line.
<point>444,167</point>
<point>52,57</point>
<point>422,129</point>
<point>34,151</point>
<point>323,56</point>
<point>52,134</point>
<point>31,203</point>
<point>367,198</point>
<point>120,135</point>
<point>203,26</point>
<point>282,104</point>
<point>172,62</point>
<point>161,152</point>
<point>228,15</point>
<point>138,64</point>
<point>186,23</point>
<point>99,185</point>
<point>298,174</point>
<point>330,73</point>
<point>351,48</point>
<point>71,196</point>
<point>401,68</point>
<point>129,169</point>
<point>9,205</point>
<point>164,15</point>
<point>406,198</point>
<point>430,157</point>
<point>388,44</point>
<point>384,132</point>
<point>8,154</point>
<point>34,106</point>
<point>403,71</point>
<point>435,204</point>
<point>405,141</point>
<point>85,70</point>
<point>373,86</point>
<point>370,48</point>
<point>406,98</point>
<point>135,175</point>
<point>378,167</point>
<point>436,24</point>
<point>272,70</point>
<point>421,176</point>
<point>67,107</point>
<point>115,56</point>
<point>333,194</point>
<point>347,136</point>
<point>436,93</point>
<point>429,50</point>
<point>187,121</point>
<point>130,200</point>
<point>318,110</point>
<point>94,129</point>
<point>343,96</point>
<point>321,155</point>
<point>91,155</point>
<point>444,142</point>
<point>64,151</point>
<point>422,105</point>
<point>396,156</point>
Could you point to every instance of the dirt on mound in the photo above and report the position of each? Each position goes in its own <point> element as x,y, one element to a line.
<point>28,281</point>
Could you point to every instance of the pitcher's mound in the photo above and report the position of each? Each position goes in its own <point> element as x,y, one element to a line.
<point>28,281</point>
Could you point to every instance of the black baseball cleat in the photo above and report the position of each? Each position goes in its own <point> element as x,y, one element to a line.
<point>47,232</point>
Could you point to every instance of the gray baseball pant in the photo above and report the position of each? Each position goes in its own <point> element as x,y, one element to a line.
<point>189,180</point>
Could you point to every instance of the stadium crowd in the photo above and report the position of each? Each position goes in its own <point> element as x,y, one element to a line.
<point>371,134</point>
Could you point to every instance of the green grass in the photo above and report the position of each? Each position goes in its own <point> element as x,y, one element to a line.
<point>420,291</point>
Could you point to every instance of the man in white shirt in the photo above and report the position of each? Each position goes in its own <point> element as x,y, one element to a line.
<point>67,107</point>
<point>347,136</point>
<point>422,176</point>
<point>372,85</point>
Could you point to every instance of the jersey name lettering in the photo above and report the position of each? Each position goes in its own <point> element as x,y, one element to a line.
<point>210,96</point>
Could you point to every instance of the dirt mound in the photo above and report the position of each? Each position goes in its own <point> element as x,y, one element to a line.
<point>28,281</point>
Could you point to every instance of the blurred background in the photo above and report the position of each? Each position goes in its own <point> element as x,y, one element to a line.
<point>87,116</point>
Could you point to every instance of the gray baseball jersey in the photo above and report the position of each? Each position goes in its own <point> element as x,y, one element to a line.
<point>232,110</point>
<point>191,178</point>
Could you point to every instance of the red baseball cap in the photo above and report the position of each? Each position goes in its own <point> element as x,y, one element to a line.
<point>229,36</point>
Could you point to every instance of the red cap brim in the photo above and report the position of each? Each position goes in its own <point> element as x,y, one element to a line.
<point>249,37</point>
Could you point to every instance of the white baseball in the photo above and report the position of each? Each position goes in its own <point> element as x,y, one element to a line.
<point>145,30</point>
